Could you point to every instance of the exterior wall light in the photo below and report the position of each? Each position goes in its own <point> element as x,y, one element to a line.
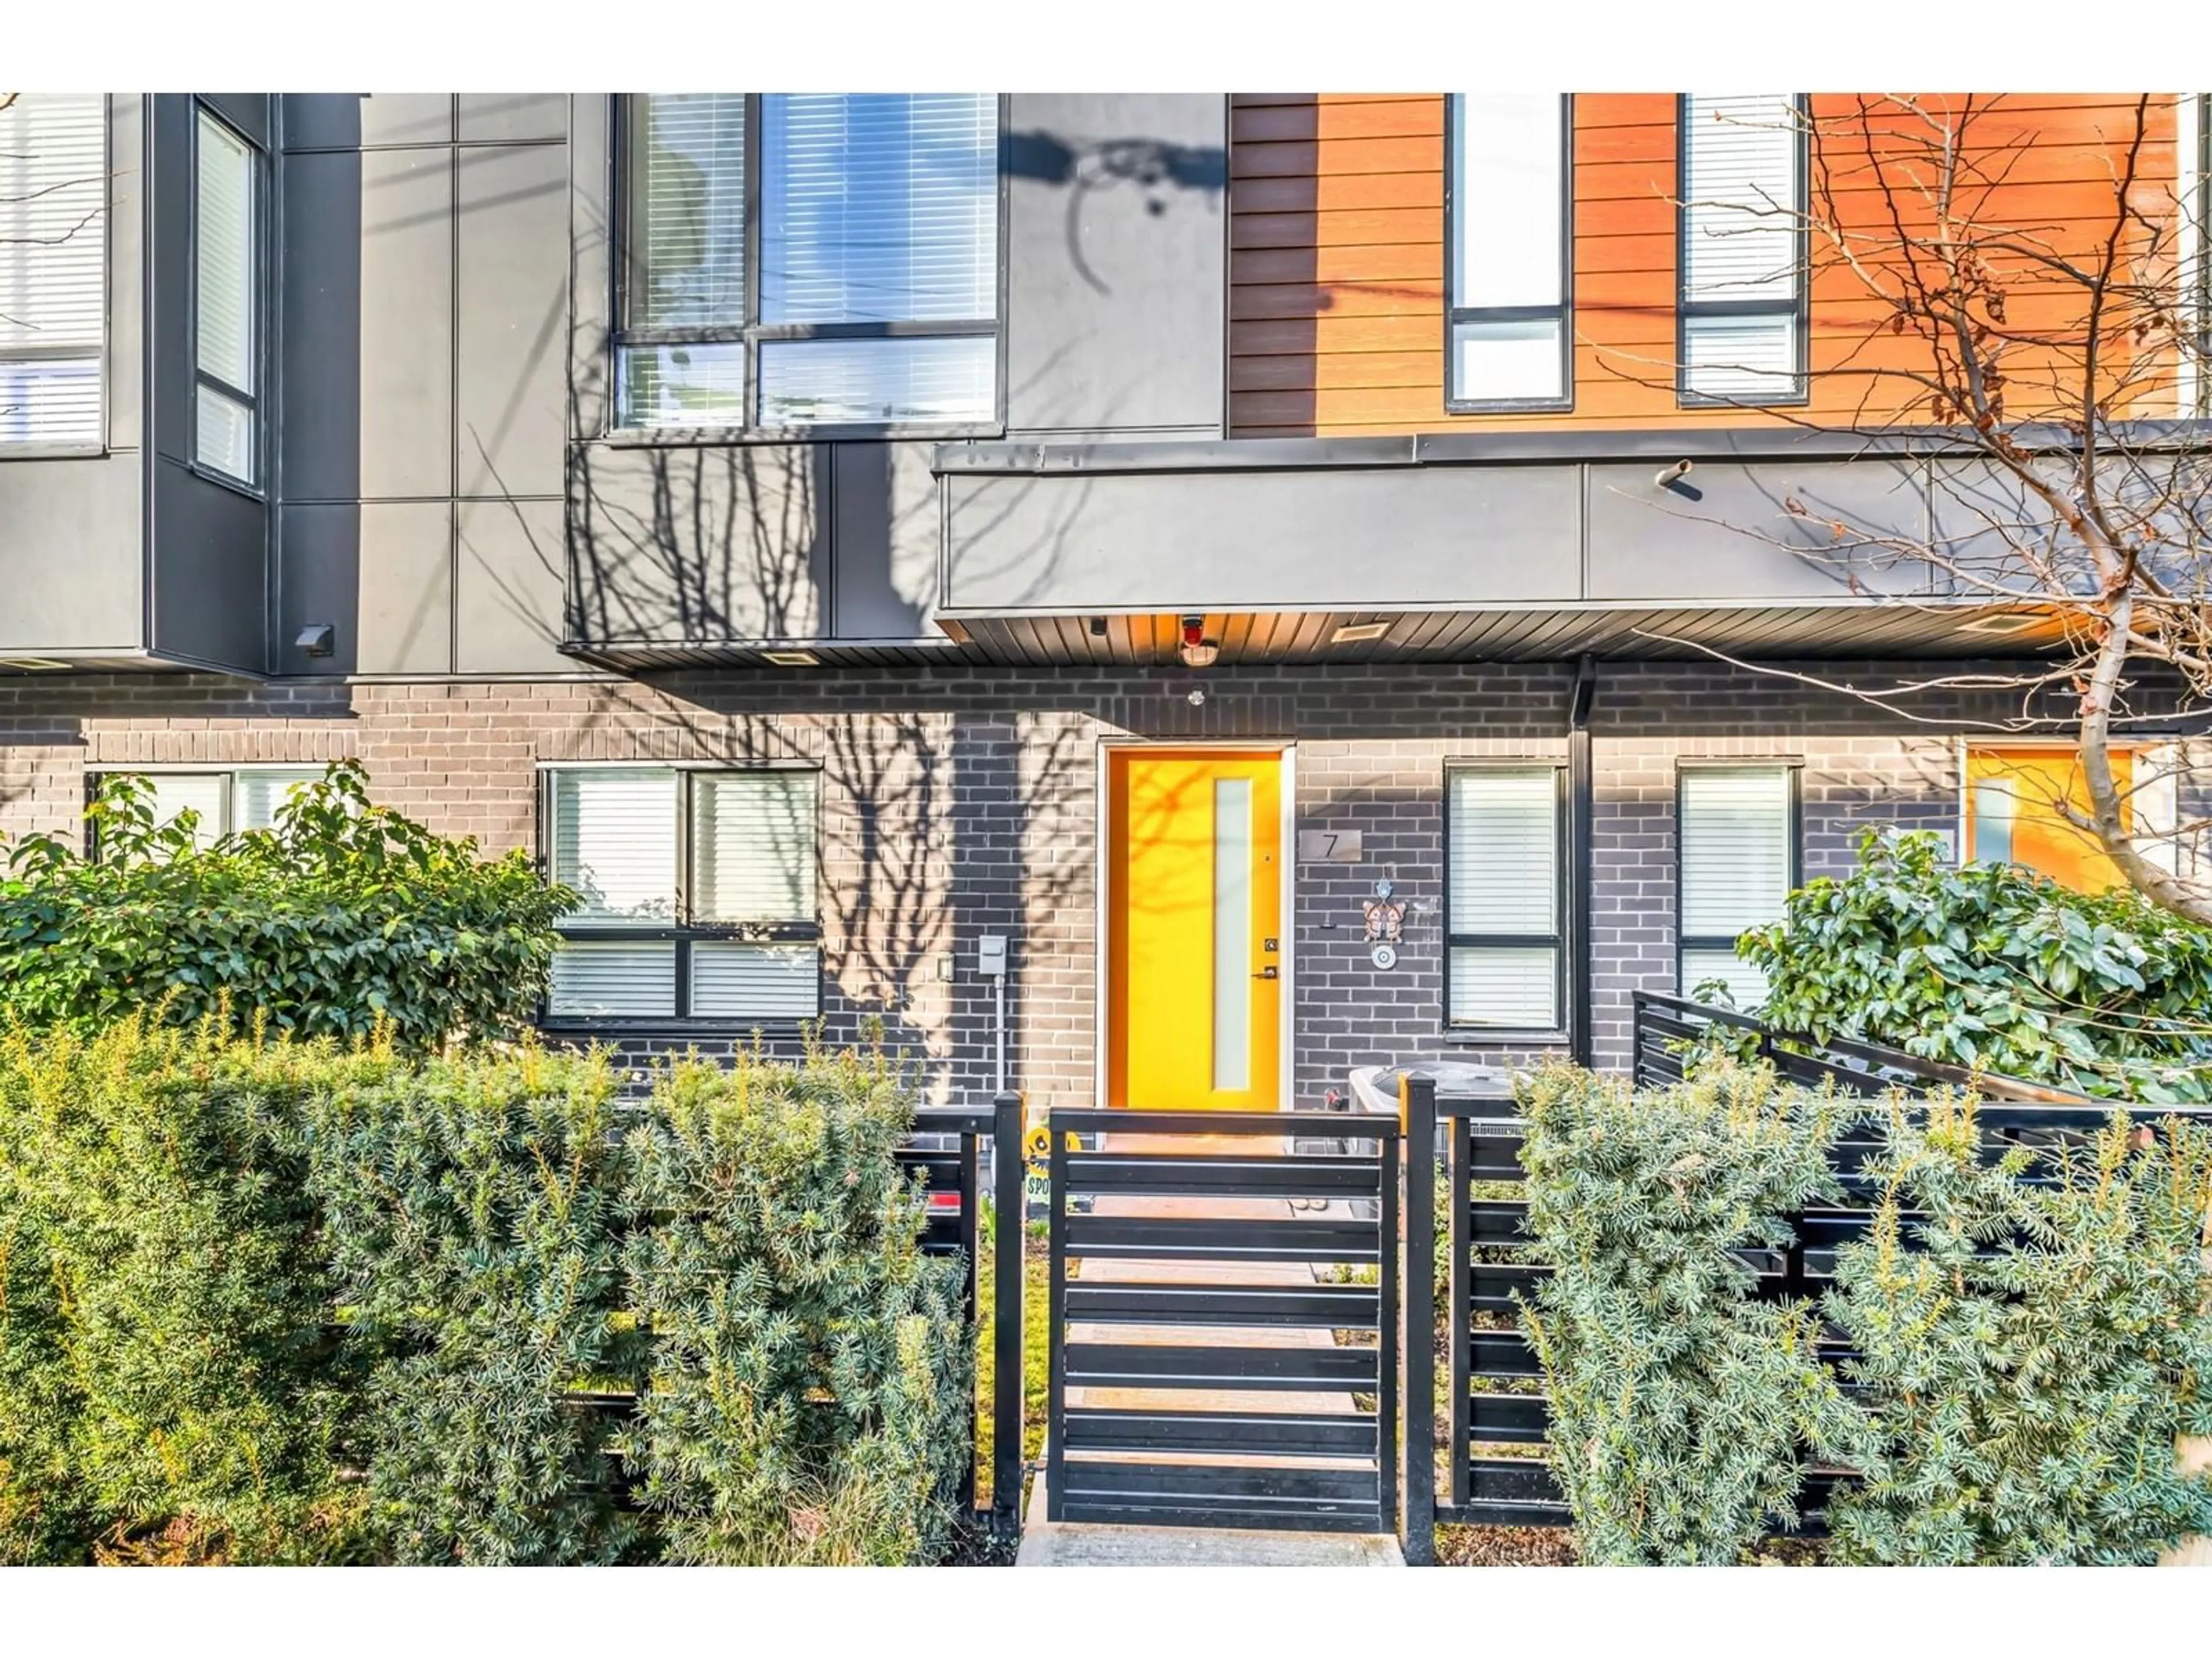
<point>318,640</point>
<point>1198,651</point>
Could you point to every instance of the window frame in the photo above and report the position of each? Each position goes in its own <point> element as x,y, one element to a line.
<point>752,333</point>
<point>1456,314</point>
<point>1799,306</point>
<point>682,932</point>
<point>258,335</point>
<point>1687,766</point>
<point>1560,941</point>
<point>35,450</point>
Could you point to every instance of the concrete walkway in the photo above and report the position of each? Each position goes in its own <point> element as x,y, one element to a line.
<point>1063,1544</point>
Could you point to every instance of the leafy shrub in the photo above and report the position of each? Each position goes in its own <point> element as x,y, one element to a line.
<point>2031,1338</point>
<point>473,1210</point>
<point>1993,967</point>
<point>1679,1403</point>
<point>810,1393</point>
<point>170,1387</point>
<point>342,916</point>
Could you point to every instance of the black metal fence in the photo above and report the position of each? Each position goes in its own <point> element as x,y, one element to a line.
<point>1494,1469</point>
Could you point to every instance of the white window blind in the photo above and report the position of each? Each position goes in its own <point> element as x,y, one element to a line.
<point>203,793</point>
<point>1743,159</point>
<point>620,837</point>
<point>752,847</point>
<point>54,268</point>
<point>1508,263</point>
<point>1504,932</point>
<point>228,234</point>
<point>257,793</point>
<point>686,251</point>
<point>1737,856</point>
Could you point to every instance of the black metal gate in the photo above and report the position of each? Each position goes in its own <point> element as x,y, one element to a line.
<point>1224,1321</point>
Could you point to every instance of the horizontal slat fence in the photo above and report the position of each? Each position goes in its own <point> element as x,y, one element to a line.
<point>1497,1471</point>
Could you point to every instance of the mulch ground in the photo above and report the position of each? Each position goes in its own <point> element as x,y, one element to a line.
<point>1504,1547</point>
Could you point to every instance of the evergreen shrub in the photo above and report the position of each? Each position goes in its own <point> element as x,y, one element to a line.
<point>171,1385</point>
<point>341,918</point>
<point>1680,1406</point>
<point>2024,1335</point>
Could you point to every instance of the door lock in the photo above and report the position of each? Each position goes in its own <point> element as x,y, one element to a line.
<point>1268,973</point>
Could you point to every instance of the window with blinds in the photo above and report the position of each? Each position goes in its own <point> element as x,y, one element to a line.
<point>1742,314</point>
<point>810,261</point>
<point>1510,161</point>
<point>1505,928</point>
<point>53,269</point>
<point>1737,864</point>
<point>224,801</point>
<point>227,235</point>
<point>698,895</point>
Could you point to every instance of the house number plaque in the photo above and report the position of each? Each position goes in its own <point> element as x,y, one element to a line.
<point>1328,846</point>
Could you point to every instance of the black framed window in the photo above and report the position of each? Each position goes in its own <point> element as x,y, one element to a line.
<point>1740,231</point>
<point>809,262</point>
<point>1739,857</point>
<point>53,269</point>
<point>227,237</point>
<point>1509,207</point>
<point>1505,900</point>
<point>699,895</point>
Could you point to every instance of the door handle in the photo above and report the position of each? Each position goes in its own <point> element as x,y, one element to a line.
<point>1268,973</point>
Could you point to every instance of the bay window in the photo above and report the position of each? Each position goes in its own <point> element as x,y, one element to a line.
<point>809,261</point>
<point>698,894</point>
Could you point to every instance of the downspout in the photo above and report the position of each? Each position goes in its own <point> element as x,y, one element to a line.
<point>1581,795</point>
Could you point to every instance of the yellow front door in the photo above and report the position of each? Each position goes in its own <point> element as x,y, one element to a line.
<point>1194,880</point>
<point>2014,802</point>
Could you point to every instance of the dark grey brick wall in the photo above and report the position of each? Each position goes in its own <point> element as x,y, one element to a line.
<point>960,801</point>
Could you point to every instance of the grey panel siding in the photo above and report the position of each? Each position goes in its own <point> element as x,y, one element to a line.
<point>168,184</point>
<point>72,570</point>
<point>512,117</point>
<point>1065,538</point>
<point>126,272</point>
<point>511,309</point>
<point>1115,237</point>
<point>381,574</point>
<point>1257,540</point>
<point>723,541</point>
<point>246,111</point>
<point>368,335</point>
<point>509,580</point>
<point>357,120</point>
<point>886,532</point>
<point>1730,531</point>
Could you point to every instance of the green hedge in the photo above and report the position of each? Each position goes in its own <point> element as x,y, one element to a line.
<point>342,918</point>
<point>2029,1336</point>
<point>286,1301</point>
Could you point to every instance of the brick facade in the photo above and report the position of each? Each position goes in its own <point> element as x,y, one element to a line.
<point>960,801</point>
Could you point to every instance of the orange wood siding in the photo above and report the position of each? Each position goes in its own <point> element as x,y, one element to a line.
<point>1337,255</point>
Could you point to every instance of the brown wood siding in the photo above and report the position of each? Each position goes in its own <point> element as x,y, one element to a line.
<point>1336,261</point>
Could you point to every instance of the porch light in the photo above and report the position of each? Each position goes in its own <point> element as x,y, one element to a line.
<point>1197,650</point>
<point>792,659</point>
<point>1359,633</point>
<point>2002,622</point>
<point>33,665</point>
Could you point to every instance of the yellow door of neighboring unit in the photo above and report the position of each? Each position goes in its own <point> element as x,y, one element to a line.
<point>1195,930</point>
<point>2014,798</point>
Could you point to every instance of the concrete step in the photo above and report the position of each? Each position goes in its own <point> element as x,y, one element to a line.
<point>1075,1544</point>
